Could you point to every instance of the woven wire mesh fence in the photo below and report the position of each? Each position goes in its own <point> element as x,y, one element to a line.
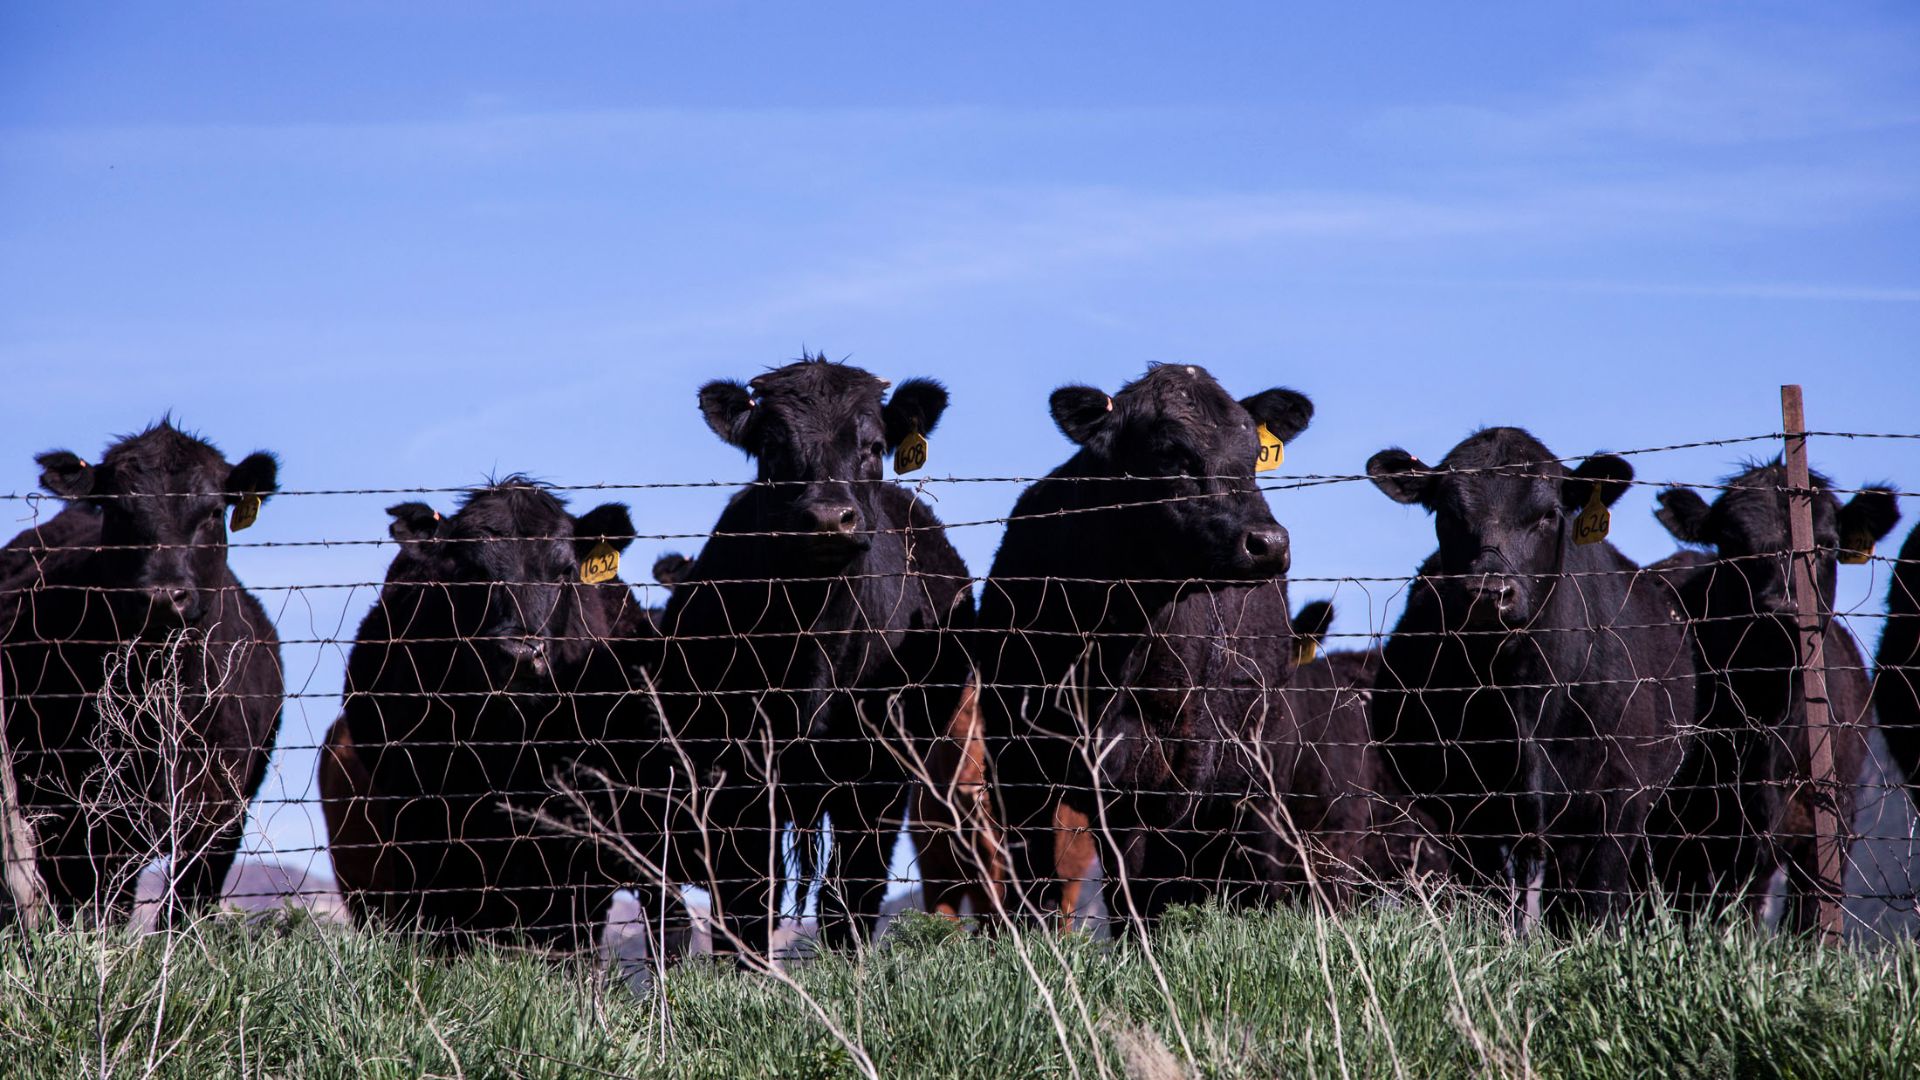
<point>820,715</point>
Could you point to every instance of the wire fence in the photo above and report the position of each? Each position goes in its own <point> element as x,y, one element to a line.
<point>810,722</point>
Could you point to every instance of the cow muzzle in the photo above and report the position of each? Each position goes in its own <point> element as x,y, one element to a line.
<point>529,655</point>
<point>1265,550</point>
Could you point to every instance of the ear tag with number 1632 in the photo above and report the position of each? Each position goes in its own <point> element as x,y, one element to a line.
<point>910,454</point>
<point>601,564</point>
<point>1272,451</point>
<point>1592,524</point>
<point>245,512</point>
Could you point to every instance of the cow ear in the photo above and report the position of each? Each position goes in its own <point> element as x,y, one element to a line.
<point>258,475</point>
<point>1403,477</point>
<point>1314,620</point>
<point>63,473</point>
<point>672,568</point>
<point>1285,412</point>
<point>916,405</point>
<point>412,522</point>
<point>1605,472</point>
<point>727,406</point>
<point>609,522</point>
<point>1080,411</point>
<point>1869,516</point>
<point>1684,513</point>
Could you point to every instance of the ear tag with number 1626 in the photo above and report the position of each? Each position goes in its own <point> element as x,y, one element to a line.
<point>245,512</point>
<point>601,564</point>
<point>1272,451</point>
<point>910,454</point>
<point>1592,524</point>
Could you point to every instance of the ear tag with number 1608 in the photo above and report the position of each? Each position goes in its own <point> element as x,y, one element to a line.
<point>910,454</point>
<point>1272,451</point>
<point>601,564</point>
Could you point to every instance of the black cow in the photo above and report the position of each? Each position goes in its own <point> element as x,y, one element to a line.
<point>1744,805</point>
<point>134,571</point>
<point>1374,833</point>
<point>1134,638</point>
<point>487,671</point>
<point>807,647</point>
<point>1533,694</point>
<point>1896,686</point>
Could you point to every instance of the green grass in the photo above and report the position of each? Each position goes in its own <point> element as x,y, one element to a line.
<point>1393,993</point>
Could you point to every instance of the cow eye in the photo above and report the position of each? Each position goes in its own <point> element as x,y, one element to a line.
<point>877,448</point>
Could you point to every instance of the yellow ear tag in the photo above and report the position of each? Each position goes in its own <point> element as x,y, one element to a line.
<point>245,512</point>
<point>910,454</point>
<point>1303,651</point>
<point>601,564</point>
<point>1272,451</point>
<point>1856,550</point>
<point>1592,524</point>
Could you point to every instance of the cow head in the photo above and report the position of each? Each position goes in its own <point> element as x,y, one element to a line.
<point>820,432</point>
<point>1191,507</point>
<point>1747,526</point>
<point>162,496</point>
<point>508,562</point>
<point>1503,508</point>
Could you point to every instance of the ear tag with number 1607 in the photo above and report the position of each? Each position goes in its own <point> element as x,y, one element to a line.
<point>601,564</point>
<point>1592,524</point>
<point>1272,451</point>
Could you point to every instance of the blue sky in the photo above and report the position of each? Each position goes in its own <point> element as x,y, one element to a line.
<point>410,248</point>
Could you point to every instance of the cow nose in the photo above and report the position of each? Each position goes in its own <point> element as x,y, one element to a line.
<point>1498,592</point>
<point>1267,548</point>
<point>179,599</point>
<point>833,519</point>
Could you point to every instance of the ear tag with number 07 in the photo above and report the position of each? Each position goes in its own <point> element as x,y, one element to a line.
<point>601,564</point>
<point>1272,451</point>
<point>245,512</point>
<point>911,454</point>
<point>1594,521</point>
<point>1856,550</point>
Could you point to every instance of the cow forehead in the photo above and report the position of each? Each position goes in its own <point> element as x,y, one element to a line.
<point>1179,395</point>
<point>514,509</point>
<point>163,461</point>
<point>1755,506</point>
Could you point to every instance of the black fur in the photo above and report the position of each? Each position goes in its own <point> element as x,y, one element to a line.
<point>139,553</point>
<point>485,671</point>
<point>1506,699</point>
<point>1178,680</point>
<point>1742,807</point>
<point>835,666</point>
<point>1896,687</point>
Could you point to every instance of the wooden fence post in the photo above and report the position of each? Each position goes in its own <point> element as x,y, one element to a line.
<point>17,845</point>
<point>1830,833</point>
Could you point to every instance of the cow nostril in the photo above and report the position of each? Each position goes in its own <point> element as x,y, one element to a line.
<point>847,518</point>
<point>1267,548</point>
<point>180,598</point>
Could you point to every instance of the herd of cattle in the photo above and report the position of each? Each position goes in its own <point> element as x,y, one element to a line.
<point>520,738</point>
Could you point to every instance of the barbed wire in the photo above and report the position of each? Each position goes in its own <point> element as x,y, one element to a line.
<point>464,774</point>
